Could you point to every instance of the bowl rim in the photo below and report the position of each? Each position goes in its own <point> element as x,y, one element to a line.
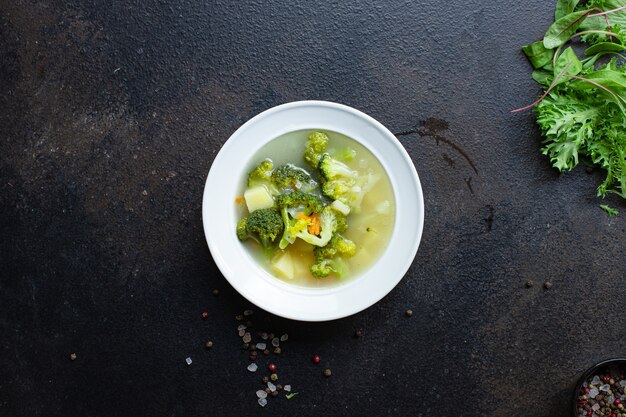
<point>587,374</point>
<point>412,179</point>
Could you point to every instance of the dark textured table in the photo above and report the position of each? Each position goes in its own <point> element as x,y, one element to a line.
<point>111,113</point>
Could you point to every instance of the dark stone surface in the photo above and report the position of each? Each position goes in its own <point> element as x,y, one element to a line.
<point>111,114</point>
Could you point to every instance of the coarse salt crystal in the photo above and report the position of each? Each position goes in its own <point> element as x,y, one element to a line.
<point>284,337</point>
<point>593,392</point>
<point>188,360</point>
<point>262,402</point>
<point>241,327</point>
<point>595,407</point>
<point>271,386</point>
<point>264,336</point>
<point>252,367</point>
<point>248,313</point>
<point>287,388</point>
<point>261,346</point>
<point>261,393</point>
<point>605,387</point>
<point>247,338</point>
<point>595,380</point>
<point>622,383</point>
<point>275,342</point>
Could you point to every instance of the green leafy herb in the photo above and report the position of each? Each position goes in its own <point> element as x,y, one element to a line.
<point>609,210</point>
<point>604,47</point>
<point>564,7</point>
<point>582,112</point>
<point>291,395</point>
<point>563,29</point>
<point>537,54</point>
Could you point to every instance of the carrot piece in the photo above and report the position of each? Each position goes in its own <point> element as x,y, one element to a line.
<point>239,199</point>
<point>303,216</point>
<point>314,227</point>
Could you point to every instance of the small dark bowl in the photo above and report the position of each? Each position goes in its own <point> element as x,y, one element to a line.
<point>589,372</point>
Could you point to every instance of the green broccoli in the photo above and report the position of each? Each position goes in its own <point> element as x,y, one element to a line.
<point>344,184</point>
<point>338,246</point>
<point>292,177</point>
<point>328,226</point>
<point>342,223</point>
<point>262,225</point>
<point>301,202</point>
<point>330,258</point>
<point>325,267</point>
<point>332,169</point>
<point>262,175</point>
<point>290,205</point>
<point>316,145</point>
<point>343,154</point>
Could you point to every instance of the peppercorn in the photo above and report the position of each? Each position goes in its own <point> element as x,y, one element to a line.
<point>316,359</point>
<point>529,283</point>
<point>270,336</point>
<point>274,394</point>
<point>245,346</point>
<point>239,317</point>
<point>73,356</point>
<point>277,351</point>
<point>208,344</point>
<point>279,387</point>
<point>269,391</point>
<point>205,315</point>
<point>249,323</point>
<point>265,380</point>
<point>408,313</point>
<point>274,377</point>
<point>266,352</point>
<point>327,372</point>
<point>272,367</point>
<point>216,292</point>
<point>547,285</point>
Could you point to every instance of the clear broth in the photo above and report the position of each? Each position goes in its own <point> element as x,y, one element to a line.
<point>369,229</point>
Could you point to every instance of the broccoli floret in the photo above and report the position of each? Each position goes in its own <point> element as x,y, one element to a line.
<point>338,246</point>
<point>290,176</point>
<point>262,225</point>
<point>290,205</point>
<point>330,258</point>
<point>342,223</point>
<point>315,146</point>
<point>303,202</point>
<point>262,175</point>
<point>344,184</point>
<point>242,233</point>
<point>332,169</point>
<point>326,267</point>
<point>344,154</point>
<point>299,228</point>
<point>328,225</point>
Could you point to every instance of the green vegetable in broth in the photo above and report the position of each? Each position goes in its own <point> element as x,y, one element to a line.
<point>296,214</point>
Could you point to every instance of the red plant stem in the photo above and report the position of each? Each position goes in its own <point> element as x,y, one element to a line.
<point>530,106</point>
<point>594,83</point>
<point>607,12</point>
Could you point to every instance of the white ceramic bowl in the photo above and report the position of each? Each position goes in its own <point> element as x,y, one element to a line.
<point>251,280</point>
